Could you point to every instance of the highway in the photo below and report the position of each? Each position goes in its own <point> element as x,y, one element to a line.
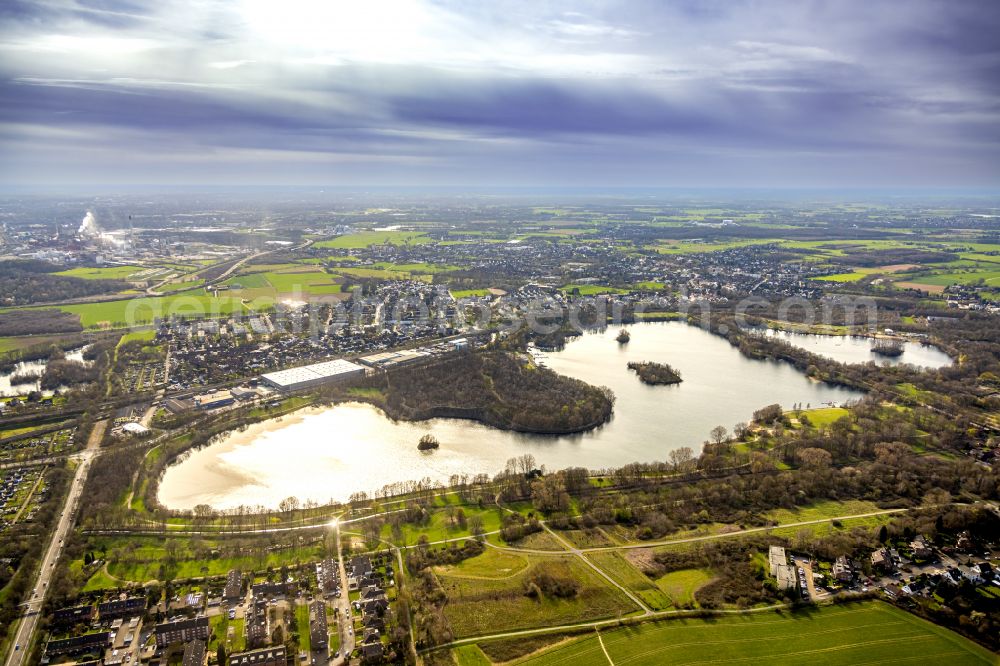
<point>26,627</point>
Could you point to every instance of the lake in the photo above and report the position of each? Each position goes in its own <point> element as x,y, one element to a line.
<point>848,349</point>
<point>329,453</point>
<point>32,367</point>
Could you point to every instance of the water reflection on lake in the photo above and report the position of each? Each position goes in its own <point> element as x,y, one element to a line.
<point>329,453</point>
<point>847,349</point>
<point>33,368</point>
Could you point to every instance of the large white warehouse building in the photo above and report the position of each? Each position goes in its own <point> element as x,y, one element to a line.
<point>316,374</point>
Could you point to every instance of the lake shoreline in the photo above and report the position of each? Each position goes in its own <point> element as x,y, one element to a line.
<point>357,443</point>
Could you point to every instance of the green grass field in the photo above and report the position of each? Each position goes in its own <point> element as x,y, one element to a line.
<point>491,564</point>
<point>442,527</point>
<point>100,581</point>
<point>313,282</point>
<point>624,573</point>
<point>141,311</point>
<point>843,277</point>
<point>688,247</point>
<point>679,586</point>
<point>592,289</point>
<point>249,281</point>
<point>302,621</point>
<point>487,605</point>
<point>145,556</point>
<point>471,655</point>
<point>869,633</point>
<point>824,416</point>
<point>102,273</point>
<point>365,238</point>
<point>137,336</point>
<point>463,293</point>
<point>990,278</point>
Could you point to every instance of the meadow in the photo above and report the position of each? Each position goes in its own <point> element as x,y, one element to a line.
<point>480,605</point>
<point>624,573</point>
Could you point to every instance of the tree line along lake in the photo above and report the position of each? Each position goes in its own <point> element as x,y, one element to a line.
<point>324,454</point>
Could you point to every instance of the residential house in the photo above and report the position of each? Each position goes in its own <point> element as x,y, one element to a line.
<point>272,656</point>
<point>181,631</point>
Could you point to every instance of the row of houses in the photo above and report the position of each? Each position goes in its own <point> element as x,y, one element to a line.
<point>372,603</point>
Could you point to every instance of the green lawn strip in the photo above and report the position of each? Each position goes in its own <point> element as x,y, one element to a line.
<point>302,623</point>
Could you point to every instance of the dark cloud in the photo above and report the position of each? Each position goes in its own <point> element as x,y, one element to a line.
<point>792,91</point>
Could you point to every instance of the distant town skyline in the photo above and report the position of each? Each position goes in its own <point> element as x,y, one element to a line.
<point>838,94</point>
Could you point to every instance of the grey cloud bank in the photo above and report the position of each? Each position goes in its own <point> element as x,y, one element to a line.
<point>665,94</point>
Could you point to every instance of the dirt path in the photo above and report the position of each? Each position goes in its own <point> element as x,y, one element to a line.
<point>603,649</point>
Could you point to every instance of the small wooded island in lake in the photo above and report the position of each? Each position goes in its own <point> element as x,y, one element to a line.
<point>623,336</point>
<point>655,373</point>
<point>888,346</point>
<point>428,442</point>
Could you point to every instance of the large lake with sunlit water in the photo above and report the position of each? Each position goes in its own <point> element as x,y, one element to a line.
<point>325,454</point>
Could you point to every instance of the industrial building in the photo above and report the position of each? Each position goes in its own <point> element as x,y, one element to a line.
<point>309,376</point>
<point>213,400</point>
<point>390,360</point>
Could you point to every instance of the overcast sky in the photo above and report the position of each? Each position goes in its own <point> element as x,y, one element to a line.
<point>901,93</point>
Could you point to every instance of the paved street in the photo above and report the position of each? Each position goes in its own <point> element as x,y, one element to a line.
<point>26,626</point>
<point>343,605</point>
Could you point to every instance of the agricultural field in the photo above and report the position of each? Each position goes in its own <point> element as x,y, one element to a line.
<point>481,605</point>
<point>363,239</point>
<point>859,633</point>
<point>140,311</point>
<point>305,279</point>
<point>691,247</point>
